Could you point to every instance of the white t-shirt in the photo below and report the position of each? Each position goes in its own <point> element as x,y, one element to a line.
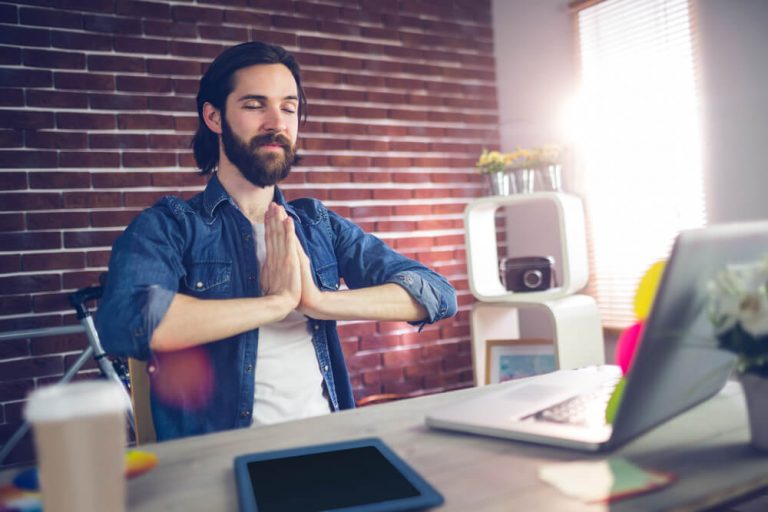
<point>289,384</point>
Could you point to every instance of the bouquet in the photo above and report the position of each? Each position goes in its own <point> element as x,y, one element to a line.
<point>738,309</point>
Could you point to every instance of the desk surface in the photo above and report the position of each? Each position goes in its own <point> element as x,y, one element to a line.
<point>707,448</point>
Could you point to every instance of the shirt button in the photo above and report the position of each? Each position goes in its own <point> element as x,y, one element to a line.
<point>316,327</point>
<point>199,285</point>
<point>325,368</point>
<point>248,368</point>
<point>244,414</point>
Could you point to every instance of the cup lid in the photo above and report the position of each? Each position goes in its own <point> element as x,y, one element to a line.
<point>84,398</point>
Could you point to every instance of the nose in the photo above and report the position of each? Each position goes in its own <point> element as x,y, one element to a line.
<point>274,121</point>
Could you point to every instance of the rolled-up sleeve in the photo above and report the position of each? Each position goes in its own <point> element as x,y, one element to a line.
<point>365,260</point>
<point>144,272</point>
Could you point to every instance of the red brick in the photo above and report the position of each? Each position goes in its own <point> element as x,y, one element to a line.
<point>79,280</point>
<point>409,243</point>
<point>116,63</point>
<point>53,261</point>
<point>173,103</point>
<point>149,159</point>
<point>294,23</point>
<point>90,238</point>
<point>84,81</point>
<point>173,67</point>
<point>111,218</point>
<point>97,258</point>
<point>32,367</point>
<point>187,86</point>
<point>121,179</point>
<point>44,303</point>
<point>112,25</point>
<point>27,322</point>
<point>117,102</point>
<point>222,33</point>
<point>349,194</point>
<point>143,45</point>
<point>189,49</point>
<point>392,194</point>
<point>30,36</point>
<point>11,222</point>
<point>356,329</point>
<point>388,130</point>
<point>196,14</point>
<point>13,180</point>
<point>169,29</point>
<point>88,159</point>
<point>371,177</point>
<point>397,225</point>
<point>20,119</point>
<point>50,18</point>
<point>67,120</point>
<point>55,99</point>
<point>274,36</point>
<point>15,305</point>
<point>117,140</point>
<point>403,387</point>
<point>411,177</point>
<point>59,180</point>
<point>361,361</point>
<point>27,159</point>
<point>178,179</point>
<point>144,121</point>
<point>143,84</point>
<point>11,97</point>
<point>61,220</point>
<point>185,124</point>
<point>164,141</point>
<point>81,41</point>
<point>20,201</point>
<point>53,59</point>
<point>144,199</point>
<point>141,9</point>
<point>55,140</point>
<point>91,199</point>
<point>15,390</point>
<point>30,284</point>
<point>58,344</point>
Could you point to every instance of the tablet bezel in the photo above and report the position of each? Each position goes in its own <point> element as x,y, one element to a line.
<point>428,496</point>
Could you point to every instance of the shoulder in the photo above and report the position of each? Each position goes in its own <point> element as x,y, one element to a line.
<point>310,210</point>
<point>168,210</point>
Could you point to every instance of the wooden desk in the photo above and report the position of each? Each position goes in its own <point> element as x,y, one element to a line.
<point>707,448</point>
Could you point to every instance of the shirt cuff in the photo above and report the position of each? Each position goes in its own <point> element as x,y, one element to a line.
<point>156,301</point>
<point>423,293</point>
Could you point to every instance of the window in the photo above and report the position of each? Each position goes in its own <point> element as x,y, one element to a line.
<point>637,142</point>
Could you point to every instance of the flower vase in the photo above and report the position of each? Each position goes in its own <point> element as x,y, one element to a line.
<point>500,183</point>
<point>756,395</point>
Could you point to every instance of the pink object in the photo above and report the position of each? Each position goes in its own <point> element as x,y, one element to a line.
<point>627,345</point>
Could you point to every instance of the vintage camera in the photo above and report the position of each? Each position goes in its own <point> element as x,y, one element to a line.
<point>527,273</point>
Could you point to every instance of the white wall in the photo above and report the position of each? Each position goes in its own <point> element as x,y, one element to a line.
<point>537,72</point>
<point>733,43</point>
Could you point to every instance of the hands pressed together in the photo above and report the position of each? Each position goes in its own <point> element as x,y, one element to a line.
<point>286,270</point>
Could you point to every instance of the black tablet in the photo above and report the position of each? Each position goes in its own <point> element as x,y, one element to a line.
<point>360,475</point>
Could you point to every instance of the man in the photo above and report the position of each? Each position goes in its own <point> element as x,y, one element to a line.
<point>233,295</point>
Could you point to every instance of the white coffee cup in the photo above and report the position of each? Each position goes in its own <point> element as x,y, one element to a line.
<point>80,436</point>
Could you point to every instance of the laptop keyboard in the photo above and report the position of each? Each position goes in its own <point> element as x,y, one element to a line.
<point>587,409</point>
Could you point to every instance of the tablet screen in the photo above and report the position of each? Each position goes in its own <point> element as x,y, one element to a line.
<point>333,477</point>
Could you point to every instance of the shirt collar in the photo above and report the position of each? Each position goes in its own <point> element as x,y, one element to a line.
<point>214,194</point>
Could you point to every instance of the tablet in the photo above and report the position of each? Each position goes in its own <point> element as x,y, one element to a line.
<point>360,475</point>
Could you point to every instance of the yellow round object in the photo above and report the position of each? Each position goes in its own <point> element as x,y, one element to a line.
<point>646,290</point>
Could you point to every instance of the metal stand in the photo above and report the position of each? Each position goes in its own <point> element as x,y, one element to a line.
<point>112,370</point>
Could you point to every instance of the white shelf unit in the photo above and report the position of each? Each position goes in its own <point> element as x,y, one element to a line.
<point>538,224</point>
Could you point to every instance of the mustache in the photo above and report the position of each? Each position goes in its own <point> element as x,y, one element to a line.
<point>271,138</point>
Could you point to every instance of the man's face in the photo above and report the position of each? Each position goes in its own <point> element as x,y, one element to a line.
<point>260,123</point>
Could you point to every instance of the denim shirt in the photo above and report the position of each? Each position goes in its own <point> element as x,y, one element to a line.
<point>204,248</point>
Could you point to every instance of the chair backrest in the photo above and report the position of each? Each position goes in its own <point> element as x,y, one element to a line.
<point>142,412</point>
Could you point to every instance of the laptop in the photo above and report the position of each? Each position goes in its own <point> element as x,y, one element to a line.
<point>677,364</point>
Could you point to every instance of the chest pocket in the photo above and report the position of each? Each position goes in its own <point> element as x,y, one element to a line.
<point>328,277</point>
<point>209,279</point>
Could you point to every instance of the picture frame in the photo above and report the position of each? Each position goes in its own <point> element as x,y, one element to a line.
<point>518,358</point>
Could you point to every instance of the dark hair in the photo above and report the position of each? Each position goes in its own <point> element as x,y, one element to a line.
<point>217,83</point>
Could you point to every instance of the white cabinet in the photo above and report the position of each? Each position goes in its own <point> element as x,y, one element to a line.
<point>539,224</point>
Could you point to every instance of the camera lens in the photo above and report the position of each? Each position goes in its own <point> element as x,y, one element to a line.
<point>532,279</point>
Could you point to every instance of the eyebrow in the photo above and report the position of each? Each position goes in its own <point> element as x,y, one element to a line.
<point>260,97</point>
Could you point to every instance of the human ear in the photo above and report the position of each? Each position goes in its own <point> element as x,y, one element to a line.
<point>212,117</point>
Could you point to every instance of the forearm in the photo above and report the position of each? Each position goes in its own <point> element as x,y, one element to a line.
<point>384,302</point>
<point>190,321</point>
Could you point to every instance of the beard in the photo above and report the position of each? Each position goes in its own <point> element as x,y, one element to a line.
<point>261,169</point>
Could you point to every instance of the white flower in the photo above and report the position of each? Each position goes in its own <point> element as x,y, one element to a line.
<point>739,295</point>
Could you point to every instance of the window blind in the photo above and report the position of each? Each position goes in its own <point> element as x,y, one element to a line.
<point>638,142</point>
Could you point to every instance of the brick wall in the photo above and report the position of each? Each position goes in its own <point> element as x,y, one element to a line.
<point>97,111</point>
